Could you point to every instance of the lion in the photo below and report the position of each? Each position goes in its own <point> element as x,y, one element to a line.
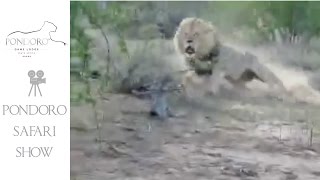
<point>198,42</point>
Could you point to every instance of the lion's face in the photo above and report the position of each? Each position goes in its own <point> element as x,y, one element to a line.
<point>190,36</point>
<point>190,43</point>
<point>195,38</point>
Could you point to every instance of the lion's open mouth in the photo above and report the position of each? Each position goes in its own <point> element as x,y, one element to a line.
<point>190,50</point>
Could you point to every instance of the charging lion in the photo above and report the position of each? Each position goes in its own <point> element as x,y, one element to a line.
<point>198,42</point>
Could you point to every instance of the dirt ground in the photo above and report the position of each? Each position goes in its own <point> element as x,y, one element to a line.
<point>228,136</point>
<point>220,138</point>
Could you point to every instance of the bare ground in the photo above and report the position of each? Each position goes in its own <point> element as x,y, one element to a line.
<point>225,137</point>
<point>219,138</point>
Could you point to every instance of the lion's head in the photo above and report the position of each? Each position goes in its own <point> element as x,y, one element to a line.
<point>196,38</point>
<point>198,42</point>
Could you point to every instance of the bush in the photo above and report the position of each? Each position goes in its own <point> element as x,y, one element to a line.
<point>133,30</point>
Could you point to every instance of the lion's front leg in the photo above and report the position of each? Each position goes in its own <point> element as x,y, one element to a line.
<point>186,83</point>
<point>191,86</point>
<point>212,84</point>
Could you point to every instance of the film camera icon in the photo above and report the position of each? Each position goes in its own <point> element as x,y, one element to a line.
<point>35,81</point>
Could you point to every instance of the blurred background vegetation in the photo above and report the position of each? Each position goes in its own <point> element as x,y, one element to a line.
<point>255,22</point>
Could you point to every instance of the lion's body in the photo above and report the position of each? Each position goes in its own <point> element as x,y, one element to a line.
<point>197,41</point>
